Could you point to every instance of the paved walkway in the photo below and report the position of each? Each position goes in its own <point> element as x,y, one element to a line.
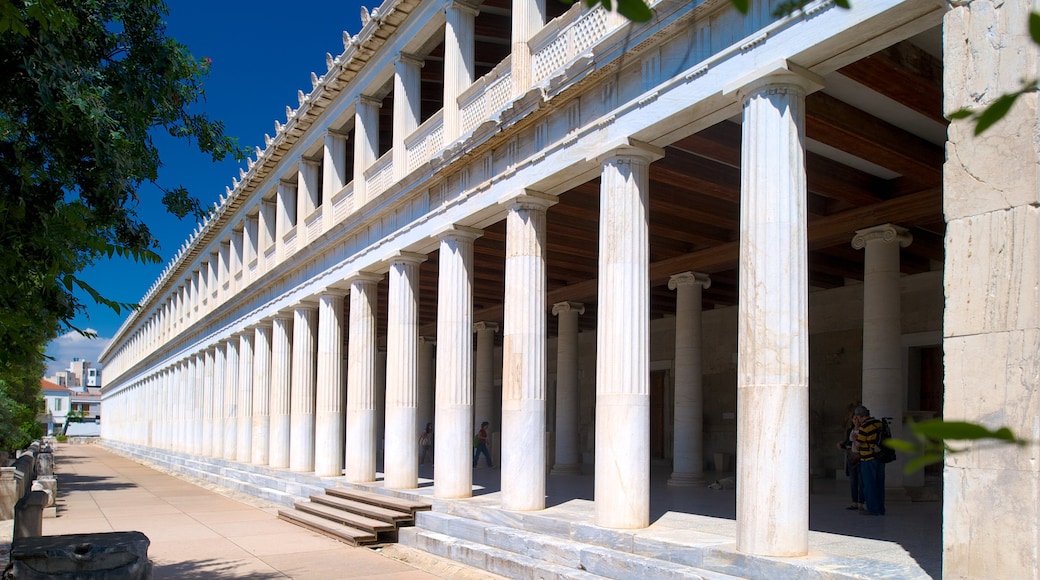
<point>197,532</point>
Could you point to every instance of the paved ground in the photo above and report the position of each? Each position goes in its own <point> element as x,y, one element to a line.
<point>207,532</point>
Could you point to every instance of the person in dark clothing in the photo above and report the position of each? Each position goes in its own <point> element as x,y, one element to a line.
<point>871,470</point>
<point>481,445</point>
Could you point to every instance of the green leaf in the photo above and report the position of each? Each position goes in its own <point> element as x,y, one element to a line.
<point>634,10</point>
<point>936,429</point>
<point>960,114</point>
<point>741,5</point>
<point>1034,27</point>
<point>922,461</point>
<point>995,112</point>
<point>900,445</point>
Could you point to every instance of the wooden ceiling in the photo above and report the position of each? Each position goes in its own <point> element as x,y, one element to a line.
<point>695,193</point>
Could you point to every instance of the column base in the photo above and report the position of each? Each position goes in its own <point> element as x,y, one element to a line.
<point>566,469</point>
<point>687,479</point>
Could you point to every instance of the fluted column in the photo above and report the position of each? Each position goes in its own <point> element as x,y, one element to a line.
<point>329,397</point>
<point>307,199</point>
<point>407,93</point>
<point>231,400</point>
<point>623,351</point>
<point>361,381</point>
<point>528,18</point>
<point>207,402</point>
<point>458,63</point>
<point>244,451</point>
<point>453,448</point>
<point>281,379</point>
<point>882,331</point>
<point>425,379</point>
<point>366,143</point>
<point>285,218</point>
<point>301,445</point>
<point>568,456</point>
<point>773,333</point>
<point>261,423</point>
<point>195,369</point>
<point>523,355</point>
<point>402,342</point>
<point>688,443</point>
<point>219,377</point>
<point>484,375</point>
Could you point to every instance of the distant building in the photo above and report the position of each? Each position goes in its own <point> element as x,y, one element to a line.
<point>83,382</point>
<point>58,404</point>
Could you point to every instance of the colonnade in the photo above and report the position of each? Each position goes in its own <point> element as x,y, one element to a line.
<point>277,394</point>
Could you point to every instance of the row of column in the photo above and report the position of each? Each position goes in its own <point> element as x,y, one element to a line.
<point>772,373</point>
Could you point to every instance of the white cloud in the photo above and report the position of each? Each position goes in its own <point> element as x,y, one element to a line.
<point>73,345</point>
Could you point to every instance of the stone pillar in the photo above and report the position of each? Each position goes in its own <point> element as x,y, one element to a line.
<point>219,377</point>
<point>334,173</point>
<point>231,400</point>
<point>991,324</point>
<point>458,64</point>
<point>402,341</point>
<point>261,394</point>
<point>328,416</point>
<point>307,199</point>
<point>301,407</point>
<point>244,451</point>
<point>568,455</point>
<point>361,380</point>
<point>366,144</point>
<point>453,446</point>
<point>207,403</point>
<point>407,93</point>
<point>281,379</point>
<point>688,446</point>
<point>523,355</point>
<point>425,378</point>
<point>882,347</point>
<point>773,333</point>
<point>192,414</point>
<point>484,374</point>
<point>528,19</point>
<point>286,216</point>
<point>623,341</point>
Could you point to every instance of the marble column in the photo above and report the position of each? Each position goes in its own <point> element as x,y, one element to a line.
<point>407,100</point>
<point>773,333</point>
<point>261,423</point>
<point>328,406</point>
<point>366,143</point>
<point>528,18</point>
<point>207,403</point>
<point>459,65</point>
<point>285,218</point>
<point>623,341</point>
<point>688,444</point>
<point>244,451</point>
<point>453,446</point>
<point>194,411</point>
<point>307,199</point>
<point>361,380</point>
<point>219,377</point>
<point>402,341</point>
<point>301,404</point>
<point>568,455</point>
<point>334,173</point>
<point>484,375</point>
<point>281,379</point>
<point>523,355</point>
<point>882,330</point>
<point>425,379</point>
<point>231,400</point>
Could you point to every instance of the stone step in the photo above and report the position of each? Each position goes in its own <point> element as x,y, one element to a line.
<point>494,560</point>
<point>379,499</point>
<point>347,534</point>
<point>390,516</point>
<point>344,517</point>
<point>568,554</point>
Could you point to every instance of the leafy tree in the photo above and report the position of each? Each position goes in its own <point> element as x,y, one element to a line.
<point>87,83</point>
<point>21,401</point>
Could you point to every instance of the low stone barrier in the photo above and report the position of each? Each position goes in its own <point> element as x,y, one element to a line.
<point>100,556</point>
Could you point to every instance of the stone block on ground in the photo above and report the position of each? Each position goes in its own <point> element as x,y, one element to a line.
<point>108,556</point>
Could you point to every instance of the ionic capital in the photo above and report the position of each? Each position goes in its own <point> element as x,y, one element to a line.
<point>531,200</point>
<point>479,326</point>
<point>561,307</point>
<point>689,279</point>
<point>887,233</point>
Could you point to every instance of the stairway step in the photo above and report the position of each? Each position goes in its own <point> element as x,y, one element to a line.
<point>346,518</point>
<point>343,533</point>
<point>378,499</point>
<point>390,516</point>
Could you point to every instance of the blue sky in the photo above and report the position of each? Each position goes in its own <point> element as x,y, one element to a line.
<point>263,51</point>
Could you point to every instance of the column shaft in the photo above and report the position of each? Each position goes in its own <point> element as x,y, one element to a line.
<point>281,379</point>
<point>207,403</point>
<point>261,395</point>
<point>301,446</point>
<point>484,374</point>
<point>231,400</point>
<point>328,417</point>
<point>366,144</point>
<point>361,377</point>
<point>523,356</point>
<point>458,63</point>
<point>568,457</point>
<point>688,445</point>
<point>402,342</point>
<point>219,377</point>
<point>407,84</point>
<point>244,451</point>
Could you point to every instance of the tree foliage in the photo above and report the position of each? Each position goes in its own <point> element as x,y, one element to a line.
<point>21,401</point>
<point>87,83</point>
